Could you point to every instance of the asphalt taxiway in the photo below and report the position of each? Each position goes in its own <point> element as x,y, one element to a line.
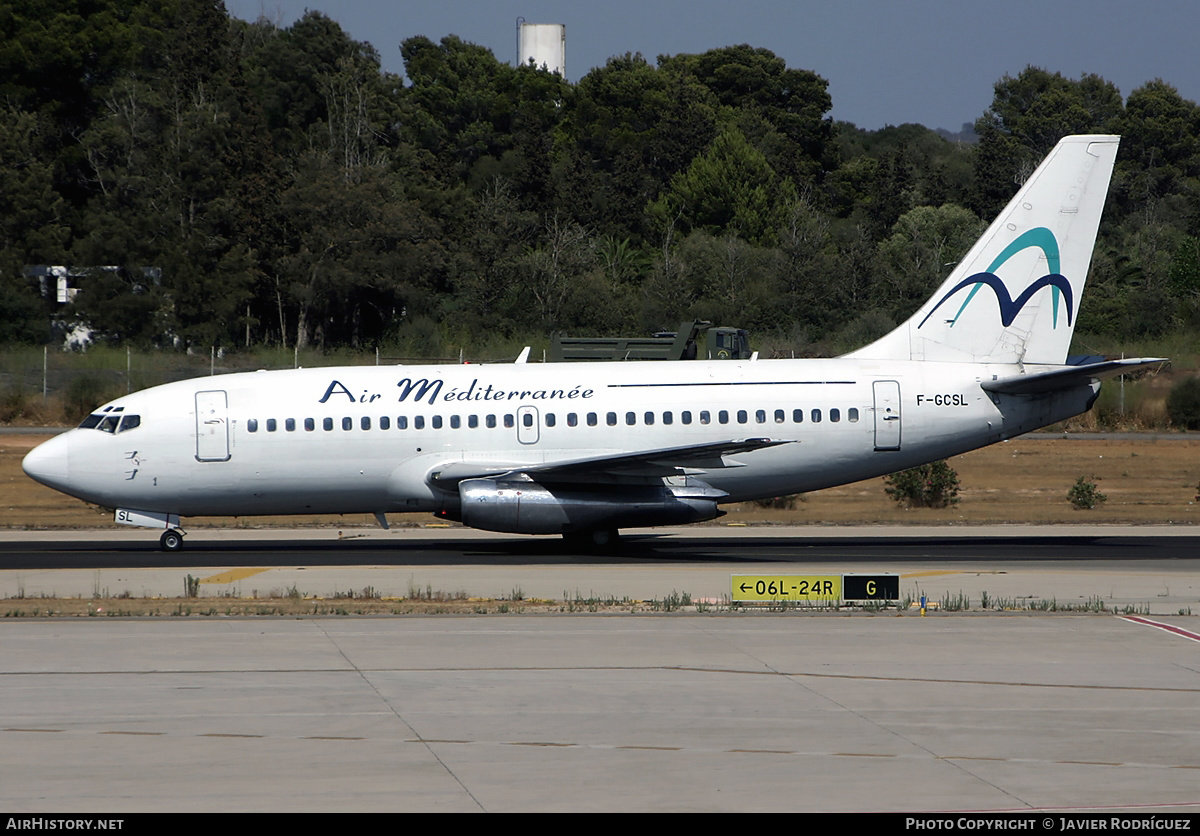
<point>1153,568</point>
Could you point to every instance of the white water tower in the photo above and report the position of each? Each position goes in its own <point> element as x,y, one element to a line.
<point>543,43</point>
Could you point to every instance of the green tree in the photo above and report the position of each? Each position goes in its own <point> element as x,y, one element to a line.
<point>33,222</point>
<point>631,129</point>
<point>566,253</point>
<point>925,243</point>
<point>727,280</point>
<point>792,102</point>
<point>729,188</point>
<point>1028,115</point>
<point>1160,148</point>
<point>357,253</point>
<point>490,268</point>
<point>459,105</point>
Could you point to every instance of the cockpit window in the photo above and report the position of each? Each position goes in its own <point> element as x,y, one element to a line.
<point>109,423</point>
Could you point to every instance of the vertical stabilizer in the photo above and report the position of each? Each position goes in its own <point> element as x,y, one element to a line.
<point>1015,296</point>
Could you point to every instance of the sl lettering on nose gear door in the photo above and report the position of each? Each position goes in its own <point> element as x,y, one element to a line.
<point>887,415</point>
<point>212,426</point>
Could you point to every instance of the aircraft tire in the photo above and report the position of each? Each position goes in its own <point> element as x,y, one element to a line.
<point>604,538</point>
<point>597,540</point>
<point>171,540</point>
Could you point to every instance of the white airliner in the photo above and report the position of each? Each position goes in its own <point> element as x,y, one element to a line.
<point>583,450</point>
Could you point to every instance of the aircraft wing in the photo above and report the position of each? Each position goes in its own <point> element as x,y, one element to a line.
<point>1064,378</point>
<point>665,461</point>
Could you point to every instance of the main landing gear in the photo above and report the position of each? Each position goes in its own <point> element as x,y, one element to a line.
<point>171,540</point>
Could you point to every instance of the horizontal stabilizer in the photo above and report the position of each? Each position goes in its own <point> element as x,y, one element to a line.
<point>1066,377</point>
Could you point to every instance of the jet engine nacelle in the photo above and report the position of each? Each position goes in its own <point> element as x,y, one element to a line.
<point>526,507</point>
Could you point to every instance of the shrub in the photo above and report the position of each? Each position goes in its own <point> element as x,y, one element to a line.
<point>933,485</point>
<point>1183,404</point>
<point>83,394</point>
<point>1084,494</point>
<point>13,403</point>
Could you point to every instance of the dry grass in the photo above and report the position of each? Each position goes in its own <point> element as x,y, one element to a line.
<point>208,605</point>
<point>1146,480</point>
<point>1026,481</point>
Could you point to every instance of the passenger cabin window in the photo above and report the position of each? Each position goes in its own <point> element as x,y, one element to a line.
<point>289,424</point>
<point>271,425</point>
<point>852,414</point>
<point>309,425</point>
<point>252,425</point>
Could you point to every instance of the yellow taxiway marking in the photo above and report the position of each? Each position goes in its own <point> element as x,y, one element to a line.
<point>233,575</point>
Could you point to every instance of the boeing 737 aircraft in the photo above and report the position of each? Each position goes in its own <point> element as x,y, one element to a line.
<point>583,450</point>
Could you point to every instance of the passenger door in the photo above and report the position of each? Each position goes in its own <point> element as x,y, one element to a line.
<point>887,415</point>
<point>212,426</point>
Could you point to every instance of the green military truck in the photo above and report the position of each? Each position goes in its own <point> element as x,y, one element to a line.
<point>696,340</point>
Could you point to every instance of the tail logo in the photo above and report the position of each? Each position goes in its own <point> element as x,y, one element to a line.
<point>1039,237</point>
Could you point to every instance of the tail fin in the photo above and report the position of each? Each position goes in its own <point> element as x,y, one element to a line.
<point>1014,297</point>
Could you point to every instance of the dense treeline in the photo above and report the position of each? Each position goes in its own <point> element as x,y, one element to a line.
<point>290,193</point>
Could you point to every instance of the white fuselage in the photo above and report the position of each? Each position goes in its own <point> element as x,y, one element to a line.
<point>368,439</point>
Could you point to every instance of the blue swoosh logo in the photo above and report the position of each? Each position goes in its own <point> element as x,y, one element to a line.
<point>1039,237</point>
<point>1009,307</point>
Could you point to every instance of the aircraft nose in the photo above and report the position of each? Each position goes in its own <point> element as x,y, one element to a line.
<point>49,462</point>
